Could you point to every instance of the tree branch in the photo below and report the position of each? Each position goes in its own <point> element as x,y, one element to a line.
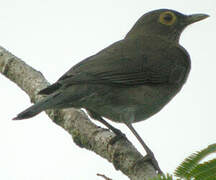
<point>85,134</point>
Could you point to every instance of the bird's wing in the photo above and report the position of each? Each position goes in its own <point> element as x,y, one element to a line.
<point>124,63</point>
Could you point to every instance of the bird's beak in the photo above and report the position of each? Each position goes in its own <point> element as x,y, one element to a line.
<point>196,17</point>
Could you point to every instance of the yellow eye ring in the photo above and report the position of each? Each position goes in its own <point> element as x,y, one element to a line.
<point>167,18</point>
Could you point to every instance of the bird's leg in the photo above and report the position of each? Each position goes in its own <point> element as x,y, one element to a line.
<point>117,132</point>
<point>113,129</point>
<point>150,154</point>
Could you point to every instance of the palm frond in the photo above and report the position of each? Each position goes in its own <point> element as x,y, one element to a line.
<point>205,171</point>
<point>191,163</point>
<point>166,177</point>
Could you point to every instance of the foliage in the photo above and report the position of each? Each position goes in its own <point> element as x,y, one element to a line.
<point>166,177</point>
<point>192,169</point>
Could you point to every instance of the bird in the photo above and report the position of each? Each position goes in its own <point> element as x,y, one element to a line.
<point>130,80</point>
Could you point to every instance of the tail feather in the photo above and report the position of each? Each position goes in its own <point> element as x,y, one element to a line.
<point>50,89</point>
<point>46,103</point>
<point>28,113</point>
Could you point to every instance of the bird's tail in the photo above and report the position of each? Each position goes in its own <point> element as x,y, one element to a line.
<point>46,103</point>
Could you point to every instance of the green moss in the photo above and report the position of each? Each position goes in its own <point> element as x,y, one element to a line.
<point>80,140</point>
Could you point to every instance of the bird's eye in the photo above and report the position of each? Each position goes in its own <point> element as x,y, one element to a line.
<point>167,18</point>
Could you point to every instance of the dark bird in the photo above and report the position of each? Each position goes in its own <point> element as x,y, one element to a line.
<point>130,80</point>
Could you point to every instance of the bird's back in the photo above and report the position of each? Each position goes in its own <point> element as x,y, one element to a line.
<point>160,69</point>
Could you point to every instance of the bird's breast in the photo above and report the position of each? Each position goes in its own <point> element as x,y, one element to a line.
<point>132,104</point>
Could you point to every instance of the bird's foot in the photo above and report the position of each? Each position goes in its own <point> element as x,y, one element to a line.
<point>150,157</point>
<point>119,135</point>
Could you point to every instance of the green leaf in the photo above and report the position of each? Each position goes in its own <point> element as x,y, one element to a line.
<point>189,164</point>
<point>205,171</point>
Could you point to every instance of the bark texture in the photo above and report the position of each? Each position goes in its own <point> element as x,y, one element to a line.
<point>123,155</point>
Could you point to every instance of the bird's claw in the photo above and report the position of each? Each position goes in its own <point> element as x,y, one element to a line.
<point>150,158</point>
<point>119,135</point>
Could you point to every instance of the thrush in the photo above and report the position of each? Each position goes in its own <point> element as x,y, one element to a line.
<point>130,80</point>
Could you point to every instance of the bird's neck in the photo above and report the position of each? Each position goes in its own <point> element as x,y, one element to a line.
<point>171,37</point>
<point>156,37</point>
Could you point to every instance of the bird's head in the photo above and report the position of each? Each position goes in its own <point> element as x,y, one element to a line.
<point>165,23</point>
